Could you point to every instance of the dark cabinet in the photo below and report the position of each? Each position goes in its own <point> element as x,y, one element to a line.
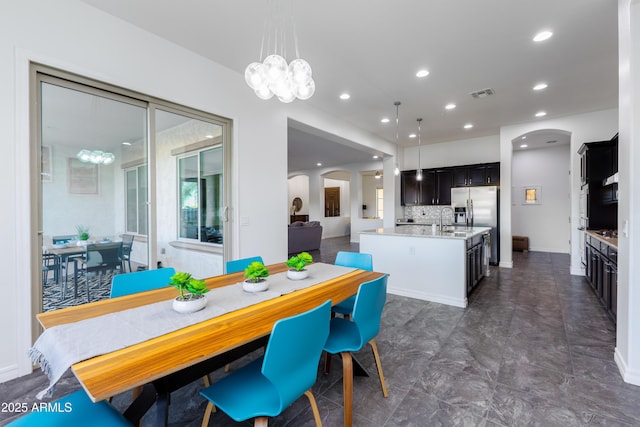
<point>444,182</point>
<point>473,175</point>
<point>475,262</point>
<point>599,161</point>
<point>434,189</point>
<point>602,273</point>
<point>409,188</point>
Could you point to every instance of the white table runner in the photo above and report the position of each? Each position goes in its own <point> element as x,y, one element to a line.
<point>61,346</point>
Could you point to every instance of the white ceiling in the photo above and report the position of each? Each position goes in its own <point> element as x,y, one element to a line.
<point>373,48</point>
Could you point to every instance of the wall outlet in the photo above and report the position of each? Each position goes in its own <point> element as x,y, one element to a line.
<point>163,251</point>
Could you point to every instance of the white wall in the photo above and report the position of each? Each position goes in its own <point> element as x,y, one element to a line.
<point>299,187</point>
<point>337,226</point>
<point>115,52</point>
<point>627,354</point>
<point>546,224</point>
<point>462,152</point>
<point>595,126</point>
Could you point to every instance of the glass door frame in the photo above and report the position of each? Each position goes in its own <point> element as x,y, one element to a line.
<point>38,74</point>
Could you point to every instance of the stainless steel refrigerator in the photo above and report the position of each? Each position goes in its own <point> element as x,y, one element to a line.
<point>478,207</point>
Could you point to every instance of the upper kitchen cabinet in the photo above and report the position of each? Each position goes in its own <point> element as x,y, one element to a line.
<point>409,188</point>
<point>472,175</point>
<point>434,189</point>
<point>598,174</point>
<point>443,184</point>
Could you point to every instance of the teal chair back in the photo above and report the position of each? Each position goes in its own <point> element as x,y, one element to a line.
<point>293,353</point>
<point>367,309</point>
<point>240,264</point>
<point>355,260</point>
<point>139,281</point>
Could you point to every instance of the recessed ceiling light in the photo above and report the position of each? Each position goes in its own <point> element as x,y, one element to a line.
<point>523,145</point>
<point>450,106</point>
<point>126,143</point>
<point>384,120</point>
<point>345,96</point>
<point>412,135</point>
<point>209,136</point>
<point>375,156</point>
<point>542,36</point>
<point>524,137</point>
<point>468,126</point>
<point>422,73</point>
<point>540,86</point>
<point>318,164</point>
<point>541,113</point>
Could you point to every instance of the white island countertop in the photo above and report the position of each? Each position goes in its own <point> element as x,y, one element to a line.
<point>449,232</point>
<point>438,266</point>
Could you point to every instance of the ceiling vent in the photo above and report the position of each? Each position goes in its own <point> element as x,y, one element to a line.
<point>482,93</point>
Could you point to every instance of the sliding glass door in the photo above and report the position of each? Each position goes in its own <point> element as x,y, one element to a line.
<point>122,169</point>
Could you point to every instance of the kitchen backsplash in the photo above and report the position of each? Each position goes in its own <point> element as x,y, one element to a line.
<point>428,214</point>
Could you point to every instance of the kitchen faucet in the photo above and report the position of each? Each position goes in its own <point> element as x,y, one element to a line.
<point>441,211</point>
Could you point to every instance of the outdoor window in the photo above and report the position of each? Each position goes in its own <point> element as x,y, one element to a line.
<point>200,196</point>
<point>379,202</point>
<point>136,199</point>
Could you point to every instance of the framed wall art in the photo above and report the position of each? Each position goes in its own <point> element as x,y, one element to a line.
<point>82,177</point>
<point>531,195</point>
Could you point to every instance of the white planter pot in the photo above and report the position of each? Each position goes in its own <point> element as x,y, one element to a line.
<point>297,275</point>
<point>255,287</point>
<point>197,303</point>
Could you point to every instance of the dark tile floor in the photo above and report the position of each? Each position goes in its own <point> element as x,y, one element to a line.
<point>533,348</point>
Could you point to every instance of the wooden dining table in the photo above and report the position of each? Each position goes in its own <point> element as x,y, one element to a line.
<point>170,361</point>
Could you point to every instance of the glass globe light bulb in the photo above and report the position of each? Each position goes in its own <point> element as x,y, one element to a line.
<point>300,71</point>
<point>287,98</point>
<point>275,67</point>
<point>282,87</point>
<point>255,75</point>
<point>263,92</point>
<point>108,158</point>
<point>84,155</point>
<point>305,91</point>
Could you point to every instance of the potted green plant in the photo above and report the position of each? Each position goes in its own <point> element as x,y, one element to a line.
<point>297,264</point>
<point>83,235</point>
<point>256,274</point>
<point>191,298</point>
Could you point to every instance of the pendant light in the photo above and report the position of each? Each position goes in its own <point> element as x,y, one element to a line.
<point>396,171</point>
<point>419,173</point>
<point>274,76</point>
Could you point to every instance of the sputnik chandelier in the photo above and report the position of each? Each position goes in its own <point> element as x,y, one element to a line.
<point>97,157</point>
<point>273,76</point>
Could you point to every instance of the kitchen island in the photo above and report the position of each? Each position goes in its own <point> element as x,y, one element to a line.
<point>439,266</point>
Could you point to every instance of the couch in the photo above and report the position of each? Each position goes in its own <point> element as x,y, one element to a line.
<point>304,236</point>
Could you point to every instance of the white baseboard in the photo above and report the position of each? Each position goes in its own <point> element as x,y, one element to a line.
<point>628,375</point>
<point>456,302</point>
<point>8,373</point>
<point>505,264</point>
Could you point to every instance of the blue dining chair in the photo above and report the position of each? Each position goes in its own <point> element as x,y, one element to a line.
<point>355,260</point>
<point>349,335</point>
<point>240,264</point>
<point>139,281</point>
<point>75,409</point>
<point>267,386</point>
